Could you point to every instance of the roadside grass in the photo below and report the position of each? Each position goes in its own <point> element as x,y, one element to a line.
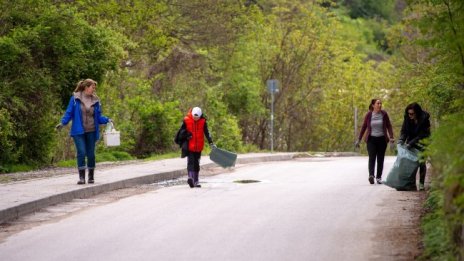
<point>443,225</point>
<point>109,155</point>
<point>16,168</point>
<point>101,156</point>
<point>437,244</point>
<point>168,155</point>
<point>113,156</point>
<point>4,179</point>
<point>66,163</point>
<point>104,156</point>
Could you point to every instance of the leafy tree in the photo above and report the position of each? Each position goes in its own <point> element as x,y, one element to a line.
<point>430,41</point>
<point>174,55</point>
<point>7,152</point>
<point>44,51</point>
<point>371,9</point>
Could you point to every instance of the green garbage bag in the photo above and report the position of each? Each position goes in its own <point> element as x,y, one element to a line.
<point>223,157</point>
<point>402,176</point>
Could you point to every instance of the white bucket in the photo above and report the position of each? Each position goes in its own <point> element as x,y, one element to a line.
<point>111,136</point>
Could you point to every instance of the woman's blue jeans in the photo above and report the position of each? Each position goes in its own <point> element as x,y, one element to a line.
<point>85,147</point>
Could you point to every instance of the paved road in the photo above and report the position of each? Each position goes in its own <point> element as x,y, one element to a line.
<point>305,209</point>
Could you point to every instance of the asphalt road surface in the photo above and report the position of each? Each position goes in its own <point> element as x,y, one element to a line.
<point>305,209</point>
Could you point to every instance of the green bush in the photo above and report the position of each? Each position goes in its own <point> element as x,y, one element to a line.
<point>6,138</point>
<point>372,9</point>
<point>168,155</point>
<point>105,156</point>
<point>222,125</point>
<point>446,150</point>
<point>147,125</point>
<point>43,50</point>
<point>157,126</point>
<point>67,163</point>
<point>122,155</point>
<point>9,168</point>
<point>436,239</point>
<point>112,156</point>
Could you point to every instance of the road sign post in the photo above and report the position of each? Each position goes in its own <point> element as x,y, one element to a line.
<point>355,125</point>
<point>272,87</point>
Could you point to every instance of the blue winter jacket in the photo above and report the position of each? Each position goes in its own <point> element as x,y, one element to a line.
<point>74,113</point>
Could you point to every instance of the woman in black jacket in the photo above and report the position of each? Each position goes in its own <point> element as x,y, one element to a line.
<point>416,126</point>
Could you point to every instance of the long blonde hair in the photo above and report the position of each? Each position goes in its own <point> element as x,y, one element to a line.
<point>81,85</point>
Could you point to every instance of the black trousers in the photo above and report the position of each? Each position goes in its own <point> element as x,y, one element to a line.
<point>422,172</point>
<point>422,166</point>
<point>193,161</point>
<point>376,147</point>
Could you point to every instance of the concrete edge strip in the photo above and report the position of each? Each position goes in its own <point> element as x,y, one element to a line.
<point>15,212</point>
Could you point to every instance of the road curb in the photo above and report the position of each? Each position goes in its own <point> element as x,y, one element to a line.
<point>15,212</point>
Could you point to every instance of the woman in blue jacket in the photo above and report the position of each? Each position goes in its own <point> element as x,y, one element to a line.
<point>84,110</point>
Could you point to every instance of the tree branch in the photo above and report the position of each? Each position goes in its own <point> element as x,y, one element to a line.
<point>450,15</point>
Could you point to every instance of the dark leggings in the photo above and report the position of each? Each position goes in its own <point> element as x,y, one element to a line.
<point>422,172</point>
<point>376,147</point>
<point>193,161</point>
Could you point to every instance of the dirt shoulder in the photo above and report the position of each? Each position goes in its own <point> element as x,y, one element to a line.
<point>398,235</point>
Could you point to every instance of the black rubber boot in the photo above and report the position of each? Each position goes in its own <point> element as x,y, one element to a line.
<point>81,177</point>
<point>91,171</point>
<point>190,179</point>
<point>196,183</point>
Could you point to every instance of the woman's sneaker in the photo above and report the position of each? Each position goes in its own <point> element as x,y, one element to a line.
<point>379,181</point>
<point>371,179</point>
<point>421,186</point>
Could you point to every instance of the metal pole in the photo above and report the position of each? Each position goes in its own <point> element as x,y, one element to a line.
<point>272,121</point>
<point>272,88</point>
<point>355,124</point>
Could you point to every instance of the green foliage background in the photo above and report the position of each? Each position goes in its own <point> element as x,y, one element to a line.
<point>156,59</point>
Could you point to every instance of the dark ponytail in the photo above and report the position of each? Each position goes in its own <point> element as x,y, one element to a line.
<point>371,106</point>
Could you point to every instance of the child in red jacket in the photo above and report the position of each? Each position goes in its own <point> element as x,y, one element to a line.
<point>195,123</point>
